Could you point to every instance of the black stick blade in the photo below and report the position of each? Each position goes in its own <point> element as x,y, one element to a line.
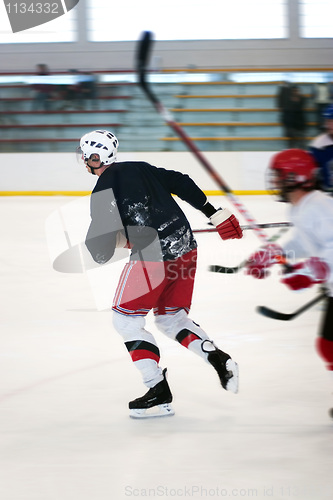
<point>270,313</point>
<point>142,60</point>
<point>224,269</point>
<point>143,51</point>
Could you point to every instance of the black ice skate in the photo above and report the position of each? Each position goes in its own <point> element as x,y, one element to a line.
<point>226,368</point>
<point>155,403</point>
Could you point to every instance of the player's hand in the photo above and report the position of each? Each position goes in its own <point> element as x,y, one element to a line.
<point>122,241</point>
<point>227,224</point>
<point>303,275</point>
<point>259,262</point>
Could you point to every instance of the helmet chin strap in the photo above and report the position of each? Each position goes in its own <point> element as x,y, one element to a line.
<point>95,168</point>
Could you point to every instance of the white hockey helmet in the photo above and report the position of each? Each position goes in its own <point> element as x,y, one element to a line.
<point>101,142</point>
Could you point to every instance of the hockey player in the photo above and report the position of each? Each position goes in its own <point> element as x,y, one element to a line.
<point>322,149</point>
<point>293,174</point>
<point>160,273</point>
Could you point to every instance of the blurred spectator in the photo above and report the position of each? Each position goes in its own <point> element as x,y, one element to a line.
<point>322,149</point>
<point>89,89</point>
<point>322,96</point>
<point>293,118</point>
<point>71,94</point>
<point>282,97</point>
<point>43,91</point>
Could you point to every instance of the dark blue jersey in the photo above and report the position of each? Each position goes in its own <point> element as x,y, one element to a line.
<point>136,197</point>
<point>322,149</point>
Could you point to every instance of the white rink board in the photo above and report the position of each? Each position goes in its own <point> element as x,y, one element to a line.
<point>242,171</point>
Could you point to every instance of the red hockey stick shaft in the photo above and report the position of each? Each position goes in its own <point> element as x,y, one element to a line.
<point>142,59</point>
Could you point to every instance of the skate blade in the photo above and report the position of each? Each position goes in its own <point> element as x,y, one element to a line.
<point>164,410</point>
<point>232,384</point>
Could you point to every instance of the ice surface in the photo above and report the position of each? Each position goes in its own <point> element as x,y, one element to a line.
<point>66,379</point>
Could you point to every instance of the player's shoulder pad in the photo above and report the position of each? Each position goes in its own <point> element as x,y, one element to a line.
<point>321,142</point>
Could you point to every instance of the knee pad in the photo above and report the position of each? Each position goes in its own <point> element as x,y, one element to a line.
<point>173,324</point>
<point>325,350</point>
<point>124,323</point>
<point>170,324</point>
<point>130,327</point>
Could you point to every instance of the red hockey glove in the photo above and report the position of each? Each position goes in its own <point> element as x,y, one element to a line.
<point>306,274</point>
<point>259,262</point>
<point>226,224</point>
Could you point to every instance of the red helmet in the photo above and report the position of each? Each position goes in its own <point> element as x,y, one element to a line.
<point>293,169</point>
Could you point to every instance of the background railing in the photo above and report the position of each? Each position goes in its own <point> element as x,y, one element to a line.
<point>220,110</point>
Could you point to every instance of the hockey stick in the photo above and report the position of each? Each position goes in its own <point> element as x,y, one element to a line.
<point>232,270</point>
<point>268,225</point>
<point>142,55</point>
<point>271,313</point>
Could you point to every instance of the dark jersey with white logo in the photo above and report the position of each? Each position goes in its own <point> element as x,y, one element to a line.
<point>136,198</point>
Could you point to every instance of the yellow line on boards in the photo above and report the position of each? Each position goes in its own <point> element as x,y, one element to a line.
<point>87,193</point>
<point>45,193</point>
